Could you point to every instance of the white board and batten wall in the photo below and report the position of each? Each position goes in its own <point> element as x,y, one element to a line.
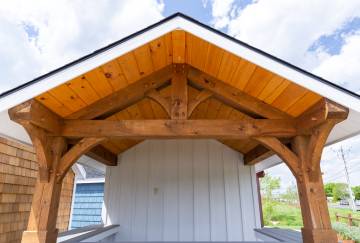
<point>182,190</point>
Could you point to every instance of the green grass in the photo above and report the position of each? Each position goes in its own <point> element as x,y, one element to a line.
<point>283,215</point>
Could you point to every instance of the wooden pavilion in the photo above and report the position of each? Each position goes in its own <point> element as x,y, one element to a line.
<point>179,79</point>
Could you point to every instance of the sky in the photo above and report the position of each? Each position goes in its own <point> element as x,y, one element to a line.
<point>320,36</point>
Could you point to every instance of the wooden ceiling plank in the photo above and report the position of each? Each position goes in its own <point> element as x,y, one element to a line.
<point>169,48</point>
<point>83,89</point>
<point>213,60</point>
<point>53,104</point>
<point>158,53</point>
<point>123,98</point>
<point>228,66</point>
<point>99,82</point>
<point>234,97</point>
<point>144,60</point>
<point>68,97</point>
<point>308,100</point>
<point>114,75</point>
<point>242,74</point>
<point>199,50</point>
<point>274,94</point>
<point>270,87</point>
<point>178,44</point>
<point>289,96</point>
<point>140,129</point>
<point>129,67</point>
<point>260,78</point>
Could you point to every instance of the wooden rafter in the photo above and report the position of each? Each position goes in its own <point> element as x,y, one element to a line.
<point>103,155</point>
<point>123,98</point>
<point>136,129</point>
<point>234,97</point>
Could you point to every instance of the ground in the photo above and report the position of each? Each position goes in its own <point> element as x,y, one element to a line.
<point>285,215</point>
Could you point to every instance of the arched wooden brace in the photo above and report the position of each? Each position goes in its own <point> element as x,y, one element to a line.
<point>303,159</point>
<point>73,154</point>
<point>161,100</point>
<point>200,98</point>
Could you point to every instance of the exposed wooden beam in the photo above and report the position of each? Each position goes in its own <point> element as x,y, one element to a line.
<point>74,153</point>
<point>161,100</point>
<point>179,92</point>
<point>102,155</point>
<point>234,97</point>
<point>141,129</point>
<point>323,110</point>
<point>201,97</point>
<point>37,114</point>
<point>123,98</point>
<point>286,154</point>
<point>257,154</point>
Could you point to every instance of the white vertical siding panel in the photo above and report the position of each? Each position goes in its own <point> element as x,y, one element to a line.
<point>155,213</point>
<point>247,201</point>
<point>217,198</point>
<point>141,182</point>
<point>201,191</point>
<point>186,191</point>
<point>232,197</point>
<point>182,190</point>
<point>125,203</point>
<point>171,207</point>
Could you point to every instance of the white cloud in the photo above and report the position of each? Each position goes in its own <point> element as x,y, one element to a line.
<point>343,68</point>
<point>64,30</point>
<point>287,29</point>
<point>221,10</point>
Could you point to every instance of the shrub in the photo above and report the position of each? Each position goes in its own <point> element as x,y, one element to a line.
<point>347,232</point>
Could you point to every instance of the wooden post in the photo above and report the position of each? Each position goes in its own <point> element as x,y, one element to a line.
<point>350,219</point>
<point>42,220</point>
<point>337,217</point>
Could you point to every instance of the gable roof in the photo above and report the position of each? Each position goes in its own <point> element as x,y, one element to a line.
<point>176,22</point>
<point>62,74</point>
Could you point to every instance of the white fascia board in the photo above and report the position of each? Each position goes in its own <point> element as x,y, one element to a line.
<point>84,66</point>
<point>272,65</point>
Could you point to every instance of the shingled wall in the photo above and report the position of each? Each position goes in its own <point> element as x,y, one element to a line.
<point>18,171</point>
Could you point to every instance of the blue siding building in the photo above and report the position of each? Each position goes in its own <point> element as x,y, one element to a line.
<point>87,206</point>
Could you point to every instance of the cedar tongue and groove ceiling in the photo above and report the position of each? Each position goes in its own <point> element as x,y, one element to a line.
<point>130,75</point>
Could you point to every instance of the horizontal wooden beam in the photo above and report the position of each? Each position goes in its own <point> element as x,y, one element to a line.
<point>37,114</point>
<point>235,97</point>
<point>142,129</point>
<point>257,154</point>
<point>323,110</point>
<point>102,155</point>
<point>123,98</point>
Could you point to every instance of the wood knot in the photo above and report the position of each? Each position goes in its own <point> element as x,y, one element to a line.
<point>108,75</point>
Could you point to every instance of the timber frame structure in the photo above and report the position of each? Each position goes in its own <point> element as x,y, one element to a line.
<point>178,90</point>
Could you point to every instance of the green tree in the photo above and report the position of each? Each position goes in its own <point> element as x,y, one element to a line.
<point>340,191</point>
<point>267,185</point>
<point>291,195</point>
<point>356,190</point>
<point>329,188</point>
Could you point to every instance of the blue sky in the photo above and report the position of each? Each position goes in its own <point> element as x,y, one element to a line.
<point>321,36</point>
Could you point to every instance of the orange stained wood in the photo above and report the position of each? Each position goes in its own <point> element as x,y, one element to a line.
<point>178,47</point>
